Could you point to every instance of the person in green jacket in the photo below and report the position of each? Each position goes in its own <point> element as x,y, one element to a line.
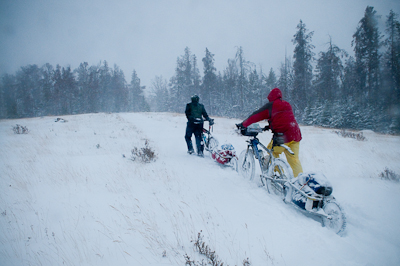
<point>195,112</point>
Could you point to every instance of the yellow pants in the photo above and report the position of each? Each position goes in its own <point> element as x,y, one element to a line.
<point>293,160</point>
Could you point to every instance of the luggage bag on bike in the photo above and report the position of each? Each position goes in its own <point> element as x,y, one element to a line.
<point>317,182</point>
<point>311,183</point>
<point>225,154</point>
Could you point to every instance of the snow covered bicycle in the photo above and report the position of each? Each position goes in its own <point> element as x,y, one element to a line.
<point>311,193</point>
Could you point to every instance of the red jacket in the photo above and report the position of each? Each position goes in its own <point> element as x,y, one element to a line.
<point>280,117</point>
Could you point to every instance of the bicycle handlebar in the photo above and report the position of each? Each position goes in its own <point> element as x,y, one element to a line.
<point>253,132</point>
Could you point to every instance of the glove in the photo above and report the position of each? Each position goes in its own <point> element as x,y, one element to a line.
<point>241,128</point>
<point>211,121</point>
<point>278,139</point>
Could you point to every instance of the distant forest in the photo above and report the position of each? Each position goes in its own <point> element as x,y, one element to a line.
<point>330,89</point>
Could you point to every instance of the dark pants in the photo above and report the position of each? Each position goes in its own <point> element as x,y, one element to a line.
<point>197,130</point>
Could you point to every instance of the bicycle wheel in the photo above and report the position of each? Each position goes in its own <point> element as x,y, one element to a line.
<point>212,144</point>
<point>278,170</point>
<point>337,220</point>
<point>234,163</point>
<point>246,164</point>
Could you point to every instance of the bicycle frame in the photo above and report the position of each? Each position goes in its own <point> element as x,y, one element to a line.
<point>204,138</point>
<point>253,144</point>
<point>256,146</point>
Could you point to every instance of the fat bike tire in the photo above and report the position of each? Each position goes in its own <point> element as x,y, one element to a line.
<point>246,164</point>
<point>278,170</point>
<point>337,220</point>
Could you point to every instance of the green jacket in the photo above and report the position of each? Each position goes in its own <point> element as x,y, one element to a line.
<point>195,113</point>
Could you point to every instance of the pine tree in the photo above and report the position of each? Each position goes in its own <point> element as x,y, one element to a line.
<point>253,93</point>
<point>93,92</point>
<point>270,83</point>
<point>9,92</point>
<point>329,73</point>
<point>209,80</point>
<point>161,97</point>
<point>137,92</point>
<point>392,70</point>
<point>82,81</point>
<point>231,90</point>
<point>244,68</point>
<point>392,57</point>
<point>120,90</point>
<point>69,91</point>
<point>349,85</point>
<point>195,86</point>
<point>28,91</point>
<point>303,57</point>
<point>219,102</point>
<point>285,82</point>
<point>180,91</point>
<point>366,42</point>
<point>185,82</point>
<point>106,94</point>
<point>57,91</point>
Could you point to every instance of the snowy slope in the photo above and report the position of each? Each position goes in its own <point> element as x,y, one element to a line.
<point>70,195</point>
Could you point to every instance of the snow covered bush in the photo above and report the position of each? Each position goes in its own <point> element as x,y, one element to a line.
<point>390,175</point>
<point>145,154</point>
<point>18,129</point>
<point>211,256</point>
<point>203,249</point>
<point>349,134</point>
<point>61,120</point>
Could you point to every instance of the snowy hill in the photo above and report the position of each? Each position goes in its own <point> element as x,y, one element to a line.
<point>70,195</point>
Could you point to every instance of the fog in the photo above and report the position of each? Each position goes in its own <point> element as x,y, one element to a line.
<point>148,36</point>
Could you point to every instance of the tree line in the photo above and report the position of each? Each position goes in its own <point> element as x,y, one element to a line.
<point>39,91</point>
<point>331,89</point>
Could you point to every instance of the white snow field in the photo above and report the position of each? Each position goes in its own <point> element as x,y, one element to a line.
<point>71,195</point>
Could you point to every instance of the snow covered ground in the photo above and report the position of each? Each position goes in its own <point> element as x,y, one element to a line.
<point>70,195</point>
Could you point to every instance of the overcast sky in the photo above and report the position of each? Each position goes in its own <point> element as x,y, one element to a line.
<point>149,35</point>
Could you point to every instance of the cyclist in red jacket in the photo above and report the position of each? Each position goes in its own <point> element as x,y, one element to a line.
<point>284,126</point>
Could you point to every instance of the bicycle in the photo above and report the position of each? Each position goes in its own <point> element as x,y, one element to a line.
<point>271,168</point>
<point>311,193</point>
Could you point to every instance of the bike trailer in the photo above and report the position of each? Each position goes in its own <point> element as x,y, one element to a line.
<point>225,154</point>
